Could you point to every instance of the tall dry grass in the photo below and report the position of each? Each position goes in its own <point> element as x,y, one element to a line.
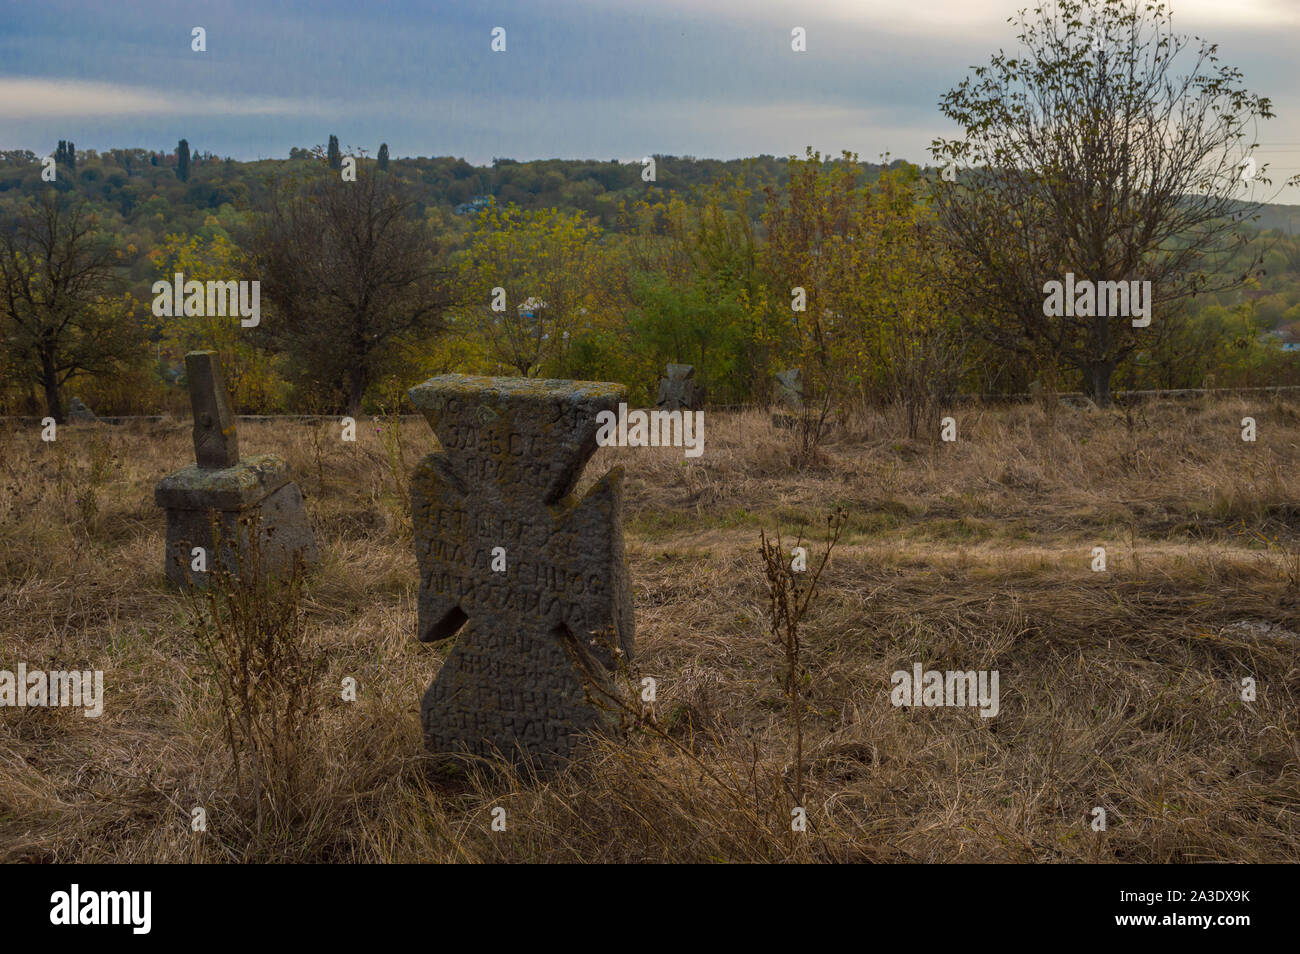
<point>1118,689</point>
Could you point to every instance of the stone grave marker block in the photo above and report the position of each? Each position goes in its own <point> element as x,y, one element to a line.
<point>530,576</point>
<point>789,393</point>
<point>678,389</point>
<point>223,488</point>
<point>78,413</point>
<point>789,389</point>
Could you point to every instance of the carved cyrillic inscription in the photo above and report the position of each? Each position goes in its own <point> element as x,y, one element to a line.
<point>509,559</point>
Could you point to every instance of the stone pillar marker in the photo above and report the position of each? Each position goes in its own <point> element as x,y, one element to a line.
<point>221,487</point>
<point>532,578</point>
<point>216,444</point>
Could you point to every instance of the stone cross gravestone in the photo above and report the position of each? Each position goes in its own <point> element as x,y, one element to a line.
<point>789,392</point>
<point>678,390</point>
<point>789,388</point>
<point>237,494</point>
<point>79,413</point>
<point>531,577</point>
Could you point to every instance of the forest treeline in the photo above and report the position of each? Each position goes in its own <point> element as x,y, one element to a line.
<point>605,276</point>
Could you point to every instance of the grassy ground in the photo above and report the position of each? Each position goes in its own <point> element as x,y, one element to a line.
<point>1119,689</point>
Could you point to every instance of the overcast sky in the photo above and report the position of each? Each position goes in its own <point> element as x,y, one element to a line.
<point>579,79</point>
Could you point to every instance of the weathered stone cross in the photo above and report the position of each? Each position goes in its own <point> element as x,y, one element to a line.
<point>678,390</point>
<point>533,574</point>
<point>220,486</point>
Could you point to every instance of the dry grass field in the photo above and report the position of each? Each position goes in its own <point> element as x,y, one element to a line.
<point>1119,689</point>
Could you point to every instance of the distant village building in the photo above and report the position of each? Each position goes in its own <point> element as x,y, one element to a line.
<point>475,204</point>
<point>1288,336</point>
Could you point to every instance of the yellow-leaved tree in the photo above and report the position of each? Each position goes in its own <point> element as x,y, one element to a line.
<point>251,373</point>
<point>530,287</point>
<point>858,278</point>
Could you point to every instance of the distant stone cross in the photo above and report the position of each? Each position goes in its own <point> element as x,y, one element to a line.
<point>529,575</point>
<point>216,444</point>
<point>678,390</point>
<point>789,386</point>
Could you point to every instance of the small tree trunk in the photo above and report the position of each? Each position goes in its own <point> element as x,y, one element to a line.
<point>50,381</point>
<point>356,391</point>
<point>1099,382</point>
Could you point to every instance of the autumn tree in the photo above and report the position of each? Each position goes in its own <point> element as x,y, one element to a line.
<point>1109,147</point>
<point>811,223</point>
<point>352,273</point>
<point>250,371</point>
<point>896,285</point>
<point>691,275</point>
<point>858,282</point>
<point>530,287</point>
<point>60,315</point>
